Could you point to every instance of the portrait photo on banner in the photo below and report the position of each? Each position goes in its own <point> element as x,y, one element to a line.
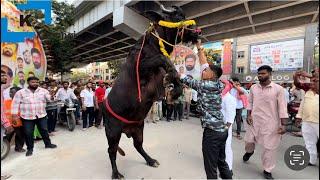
<point>186,61</point>
<point>23,59</point>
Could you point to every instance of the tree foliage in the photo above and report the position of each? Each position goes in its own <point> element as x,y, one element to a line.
<point>78,76</point>
<point>116,66</point>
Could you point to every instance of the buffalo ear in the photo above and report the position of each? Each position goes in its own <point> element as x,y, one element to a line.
<point>154,16</point>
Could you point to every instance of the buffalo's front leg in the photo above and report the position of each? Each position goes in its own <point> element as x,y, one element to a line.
<point>113,141</point>
<point>137,142</point>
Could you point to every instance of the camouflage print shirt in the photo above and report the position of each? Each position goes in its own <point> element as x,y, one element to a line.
<point>209,99</point>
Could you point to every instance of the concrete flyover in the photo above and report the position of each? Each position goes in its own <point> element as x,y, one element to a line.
<point>106,30</point>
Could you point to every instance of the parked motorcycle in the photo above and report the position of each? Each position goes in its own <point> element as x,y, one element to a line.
<point>67,113</point>
<point>293,109</point>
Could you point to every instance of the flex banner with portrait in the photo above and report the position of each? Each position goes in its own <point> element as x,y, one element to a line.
<point>23,59</point>
<point>186,61</point>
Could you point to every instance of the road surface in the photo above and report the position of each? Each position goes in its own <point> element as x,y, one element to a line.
<point>176,145</point>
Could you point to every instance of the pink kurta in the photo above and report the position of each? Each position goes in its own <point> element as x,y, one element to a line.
<point>268,105</point>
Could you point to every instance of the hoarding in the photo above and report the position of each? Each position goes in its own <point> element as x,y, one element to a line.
<point>281,56</point>
<point>220,53</point>
<point>20,59</point>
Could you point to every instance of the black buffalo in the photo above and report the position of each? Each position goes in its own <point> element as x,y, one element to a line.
<point>156,71</point>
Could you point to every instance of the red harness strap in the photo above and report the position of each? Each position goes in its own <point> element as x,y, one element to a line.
<point>139,91</point>
<point>137,69</point>
<point>119,117</point>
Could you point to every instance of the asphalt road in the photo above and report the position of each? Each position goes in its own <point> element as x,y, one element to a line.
<point>176,145</point>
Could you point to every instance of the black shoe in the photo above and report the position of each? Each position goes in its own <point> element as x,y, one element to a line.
<point>29,153</point>
<point>311,164</point>
<point>247,156</point>
<point>52,146</point>
<point>20,150</point>
<point>267,175</point>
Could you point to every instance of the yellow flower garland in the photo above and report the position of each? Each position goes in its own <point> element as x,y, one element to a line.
<point>163,50</point>
<point>172,25</point>
<point>177,24</point>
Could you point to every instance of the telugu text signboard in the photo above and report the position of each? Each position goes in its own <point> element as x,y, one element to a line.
<point>281,56</point>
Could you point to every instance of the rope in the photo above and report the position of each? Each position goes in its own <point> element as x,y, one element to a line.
<point>162,47</point>
<point>137,69</point>
<point>182,32</point>
<point>162,39</point>
<point>119,117</point>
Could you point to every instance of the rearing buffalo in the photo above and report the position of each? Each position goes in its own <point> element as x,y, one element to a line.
<point>143,78</point>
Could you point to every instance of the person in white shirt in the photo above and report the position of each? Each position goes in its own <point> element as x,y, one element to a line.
<point>187,91</point>
<point>108,91</point>
<point>228,109</point>
<point>65,92</point>
<point>286,92</point>
<point>87,98</point>
<point>236,91</point>
<point>194,95</point>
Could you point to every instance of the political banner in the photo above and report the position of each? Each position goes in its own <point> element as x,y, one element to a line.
<point>186,61</point>
<point>20,60</point>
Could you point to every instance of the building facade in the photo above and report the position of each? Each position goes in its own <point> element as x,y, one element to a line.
<point>96,71</point>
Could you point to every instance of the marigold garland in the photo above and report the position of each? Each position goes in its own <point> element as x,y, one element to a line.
<point>177,24</point>
<point>162,49</point>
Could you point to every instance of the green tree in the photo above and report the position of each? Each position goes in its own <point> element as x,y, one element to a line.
<point>78,76</point>
<point>115,65</point>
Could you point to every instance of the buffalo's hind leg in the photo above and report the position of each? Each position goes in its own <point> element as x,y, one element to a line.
<point>113,141</point>
<point>137,142</point>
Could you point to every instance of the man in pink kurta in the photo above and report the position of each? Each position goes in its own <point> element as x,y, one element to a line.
<point>267,115</point>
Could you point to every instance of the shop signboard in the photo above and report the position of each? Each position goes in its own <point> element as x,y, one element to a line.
<point>286,77</point>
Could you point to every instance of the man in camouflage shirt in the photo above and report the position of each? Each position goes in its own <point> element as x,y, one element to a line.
<point>215,130</point>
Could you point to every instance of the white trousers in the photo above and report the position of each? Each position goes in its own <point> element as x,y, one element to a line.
<point>228,149</point>
<point>310,133</point>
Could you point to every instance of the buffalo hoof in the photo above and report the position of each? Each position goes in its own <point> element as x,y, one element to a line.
<point>117,175</point>
<point>153,163</point>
